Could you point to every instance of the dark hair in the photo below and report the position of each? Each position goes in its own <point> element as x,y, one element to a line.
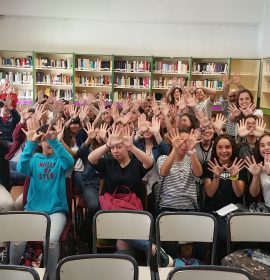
<point>257,153</point>
<point>193,120</point>
<point>232,142</point>
<point>251,116</point>
<point>172,101</point>
<point>239,93</point>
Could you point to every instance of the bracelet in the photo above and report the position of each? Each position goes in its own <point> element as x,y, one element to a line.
<point>107,146</point>
<point>234,178</point>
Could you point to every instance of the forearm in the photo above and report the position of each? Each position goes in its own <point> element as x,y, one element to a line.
<point>158,137</point>
<point>168,123</point>
<point>168,93</point>
<point>225,92</point>
<point>210,92</point>
<point>211,187</point>
<point>196,165</point>
<point>254,188</point>
<point>145,159</point>
<point>167,165</point>
<point>97,119</point>
<point>67,148</point>
<point>238,187</point>
<point>97,154</point>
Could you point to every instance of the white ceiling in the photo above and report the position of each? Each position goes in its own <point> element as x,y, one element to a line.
<point>160,11</point>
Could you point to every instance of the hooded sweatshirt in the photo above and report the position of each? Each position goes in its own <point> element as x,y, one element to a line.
<point>47,189</point>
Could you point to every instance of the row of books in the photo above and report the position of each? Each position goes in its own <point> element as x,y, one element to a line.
<point>137,82</point>
<point>60,79</point>
<point>93,81</point>
<point>25,94</point>
<point>17,62</point>
<point>18,77</point>
<point>216,84</point>
<point>165,82</point>
<point>177,67</point>
<point>209,68</point>
<point>93,65</point>
<point>58,93</point>
<point>46,62</point>
<point>132,66</point>
<point>118,95</point>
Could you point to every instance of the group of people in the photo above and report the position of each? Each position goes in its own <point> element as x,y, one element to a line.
<point>175,154</point>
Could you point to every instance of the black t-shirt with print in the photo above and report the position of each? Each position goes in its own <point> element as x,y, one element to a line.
<point>224,194</point>
<point>114,175</point>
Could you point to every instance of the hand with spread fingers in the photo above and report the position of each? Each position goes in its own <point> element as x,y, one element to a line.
<point>259,128</point>
<point>242,128</point>
<point>115,137</point>
<point>252,166</point>
<point>236,167</point>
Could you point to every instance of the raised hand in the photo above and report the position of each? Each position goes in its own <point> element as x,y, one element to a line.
<point>193,139</point>
<point>202,118</point>
<point>191,100</point>
<point>173,110</point>
<point>32,135</point>
<point>127,138</point>
<point>181,104</point>
<point>242,128</point>
<point>235,168</point>
<point>225,80</point>
<point>50,134</point>
<point>249,110</point>
<point>259,128</point>
<point>214,167</point>
<point>165,109</point>
<point>115,114</point>
<point>234,110</point>
<point>103,131</point>
<point>25,115</point>
<point>219,122</point>
<point>90,130</point>
<point>236,78</point>
<point>83,112</point>
<point>126,118</point>
<point>126,104</point>
<point>252,166</point>
<point>175,139</point>
<point>266,166</point>
<point>73,111</point>
<point>155,125</point>
<point>39,113</point>
<point>142,123</point>
<point>8,101</point>
<point>155,107</point>
<point>115,137</point>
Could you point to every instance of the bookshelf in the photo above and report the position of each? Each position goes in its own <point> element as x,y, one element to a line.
<point>132,76</point>
<point>17,67</point>
<point>93,75</point>
<point>54,74</point>
<point>265,91</point>
<point>166,70</point>
<point>249,71</point>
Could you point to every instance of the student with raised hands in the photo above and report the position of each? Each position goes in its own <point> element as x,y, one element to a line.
<point>224,183</point>
<point>260,169</point>
<point>177,188</point>
<point>45,160</point>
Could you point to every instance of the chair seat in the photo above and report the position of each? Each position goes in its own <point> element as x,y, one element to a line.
<point>41,271</point>
<point>144,273</point>
<point>163,272</point>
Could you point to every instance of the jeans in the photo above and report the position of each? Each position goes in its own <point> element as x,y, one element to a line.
<point>58,221</point>
<point>16,178</point>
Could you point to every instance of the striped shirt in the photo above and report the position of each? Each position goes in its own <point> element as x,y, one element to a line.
<point>178,189</point>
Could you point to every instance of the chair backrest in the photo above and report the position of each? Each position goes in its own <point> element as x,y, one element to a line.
<point>15,272</point>
<point>118,224</point>
<point>97,267</point>
<point>208,272</point>
<point>248,227</point>
<point>186,227</point>
<point>26,226</point>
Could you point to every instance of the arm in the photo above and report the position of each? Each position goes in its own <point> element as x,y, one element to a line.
<point>66,159</point>
<point>142,157</point>
<point>15,116</point>
<point>210,92</point>
<point>167,165</point>
<point>196,165</point>
<point>97,154</point>
<point>24,163</point>
<point>238,187</point>
<point>211,186</point>
<point>254,188</point>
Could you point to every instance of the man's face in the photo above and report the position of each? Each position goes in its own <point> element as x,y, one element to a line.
<point>232,96</point>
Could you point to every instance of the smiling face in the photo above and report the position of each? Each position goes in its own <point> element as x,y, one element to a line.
<point>224,150</point>
<point>244,100</point>
<point>208,133</point>
<point>199,94</point>
<point>185,122</point>
<point>183,149</point>
<point>74,128</point>
<point>264,146</point>
<point>176,93</point>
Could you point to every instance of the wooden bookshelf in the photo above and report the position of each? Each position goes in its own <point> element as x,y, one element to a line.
<point>17,67</point>
<point>54,74</point>
<point>132,76</point>
<point>249,70</point>
<point>167,70</point>
<point>93,75</point>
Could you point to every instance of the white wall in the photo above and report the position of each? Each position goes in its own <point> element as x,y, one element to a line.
<point>265,31</point>
<point>209,28</point>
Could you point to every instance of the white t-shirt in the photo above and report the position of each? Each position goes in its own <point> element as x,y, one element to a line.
<point>265,183</point>
<point>206,106</point>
